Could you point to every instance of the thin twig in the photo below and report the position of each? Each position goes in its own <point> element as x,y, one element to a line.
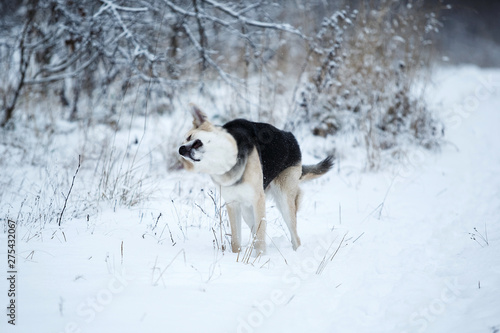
<point>121,253</point>
<point>222,246</point>
<point>268,260</point>
<point>69,192</point>
<point>282,256</point>
<point>324,262</point>
<point>170,264</point>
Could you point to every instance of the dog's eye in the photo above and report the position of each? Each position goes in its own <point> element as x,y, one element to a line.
<point>188,138</point>
<point>197,144</point>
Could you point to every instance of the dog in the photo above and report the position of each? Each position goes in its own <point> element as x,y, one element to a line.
<point>249,160</point>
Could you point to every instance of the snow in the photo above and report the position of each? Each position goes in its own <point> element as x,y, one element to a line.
<point>406,260</point>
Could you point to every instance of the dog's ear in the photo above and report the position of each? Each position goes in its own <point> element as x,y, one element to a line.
<point>199,117</point>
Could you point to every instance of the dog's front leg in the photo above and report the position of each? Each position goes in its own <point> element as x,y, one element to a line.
<point>259,213</point>
<point>234,213</point>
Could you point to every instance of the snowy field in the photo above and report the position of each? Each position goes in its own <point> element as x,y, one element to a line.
<point>411,249</point>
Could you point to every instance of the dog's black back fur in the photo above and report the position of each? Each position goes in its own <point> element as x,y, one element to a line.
<point>277,149</point>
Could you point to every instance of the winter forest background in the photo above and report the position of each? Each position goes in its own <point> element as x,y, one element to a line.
<point>353,68</point>
<point>93,106</point>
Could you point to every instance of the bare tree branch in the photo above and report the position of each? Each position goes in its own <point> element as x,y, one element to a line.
<point>275,26</point>
<point>23,67</point>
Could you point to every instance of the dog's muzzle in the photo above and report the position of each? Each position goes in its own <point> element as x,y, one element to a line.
<point>187,152</point>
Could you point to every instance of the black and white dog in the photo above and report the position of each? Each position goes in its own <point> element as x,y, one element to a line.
<point>249,160</point>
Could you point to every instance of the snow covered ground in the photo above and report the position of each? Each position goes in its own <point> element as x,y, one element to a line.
<point>413,249</point>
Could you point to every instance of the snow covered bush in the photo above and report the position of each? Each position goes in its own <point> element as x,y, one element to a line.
<point>366,74</point>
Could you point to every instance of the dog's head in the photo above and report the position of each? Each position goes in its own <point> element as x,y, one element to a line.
<point>207,148</point>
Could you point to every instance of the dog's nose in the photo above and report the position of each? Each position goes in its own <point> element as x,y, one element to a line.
<point>183,150</point>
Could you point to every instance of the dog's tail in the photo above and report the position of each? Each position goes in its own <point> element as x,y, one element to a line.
<point>314,171</point>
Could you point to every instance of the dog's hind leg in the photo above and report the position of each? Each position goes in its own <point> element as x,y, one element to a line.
<point>286,192</point>
<point>234,213</point>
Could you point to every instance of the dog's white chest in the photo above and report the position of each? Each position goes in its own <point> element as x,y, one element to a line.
<point>242,193</point>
